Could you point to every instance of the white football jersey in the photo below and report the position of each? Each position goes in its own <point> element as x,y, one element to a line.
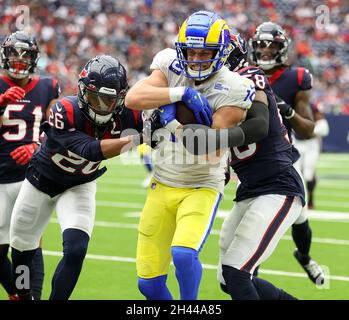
<point>176,167</point>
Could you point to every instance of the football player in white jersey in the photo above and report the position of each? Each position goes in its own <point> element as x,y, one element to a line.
<point>185,192</point>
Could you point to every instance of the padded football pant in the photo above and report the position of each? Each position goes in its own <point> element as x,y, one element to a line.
<point>75,209</point>
<point>252,230</point>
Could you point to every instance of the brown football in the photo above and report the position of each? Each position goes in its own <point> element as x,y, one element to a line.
<point>183,114</point>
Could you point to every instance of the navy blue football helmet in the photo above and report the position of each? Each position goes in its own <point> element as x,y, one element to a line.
<point>19,54</point>
<point>102,89</point>
<point>269,35</point>
<point>238,57</point>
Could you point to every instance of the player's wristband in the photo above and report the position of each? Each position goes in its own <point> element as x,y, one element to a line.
<point>173,126</point>
<point>291,115</point>
<point>176,94</point>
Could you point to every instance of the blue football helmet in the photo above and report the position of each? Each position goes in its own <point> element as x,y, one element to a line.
<point>203,30</point>
<point>102,89</point>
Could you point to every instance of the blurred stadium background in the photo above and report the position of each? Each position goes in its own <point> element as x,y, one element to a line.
<point>71,32</point>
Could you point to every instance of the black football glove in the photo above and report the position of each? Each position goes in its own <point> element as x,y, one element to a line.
<point>285,109</point>
<point>150,125</point>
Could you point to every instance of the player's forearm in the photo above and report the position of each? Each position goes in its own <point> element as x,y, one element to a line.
<point>113,147</point>
<point>200,139</point>
<point>303,127</point>
<point>144,96</point>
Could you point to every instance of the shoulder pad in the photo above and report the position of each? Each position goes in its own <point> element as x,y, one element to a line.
<point>62,115</point>
<point>304,79</point>
<point>257,75</point>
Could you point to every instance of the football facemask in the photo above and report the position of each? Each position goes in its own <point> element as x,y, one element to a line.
<point>19,62</point>
<point>103,104</point>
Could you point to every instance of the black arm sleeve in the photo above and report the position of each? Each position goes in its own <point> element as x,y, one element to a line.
<point>256,125</point>
<point>200,139</point>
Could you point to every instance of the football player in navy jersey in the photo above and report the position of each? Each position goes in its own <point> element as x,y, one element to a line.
<point>24,103</point>
<point>309,150</point>
<point>270,195</point>
<point>81,131</point>
<point>292,86</point>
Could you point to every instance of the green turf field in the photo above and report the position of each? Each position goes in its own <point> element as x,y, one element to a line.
<point>109,271</point>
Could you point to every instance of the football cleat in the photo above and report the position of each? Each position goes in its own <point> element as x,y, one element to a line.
<point>313,270</point>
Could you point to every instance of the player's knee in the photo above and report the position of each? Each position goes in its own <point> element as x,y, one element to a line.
<point>184,258</point>
<point>23,220</point>
<point>152,288</point>
<point>24,216</point>
<point>232,275</point>
<point>75,243</point>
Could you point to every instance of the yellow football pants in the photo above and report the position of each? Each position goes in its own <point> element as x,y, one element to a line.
<point>172,217</point>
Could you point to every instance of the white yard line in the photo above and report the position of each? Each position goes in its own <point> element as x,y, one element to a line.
<point>121,225</point>
<point>205,266</point>
<point>313,214</point>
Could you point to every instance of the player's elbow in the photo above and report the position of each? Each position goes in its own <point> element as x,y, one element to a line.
<point>134,100</point>
<point>131,101</point>
<point>307,132</point>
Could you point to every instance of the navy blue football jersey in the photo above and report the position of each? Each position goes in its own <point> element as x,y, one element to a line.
<point>22,120</point>
<point>286,82</point>
<point>70,153</point>
<point>266,167</point>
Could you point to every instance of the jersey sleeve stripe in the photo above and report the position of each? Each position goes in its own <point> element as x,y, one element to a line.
<point>135,116</point>
<point>300,73</point>
<point>69,110</point>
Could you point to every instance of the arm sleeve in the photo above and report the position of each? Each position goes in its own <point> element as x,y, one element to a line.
<point>305,79</point>
<point>79,143</point>
<point>165,61</point>
<point>256,125</point>
<point>200,139</point>
<point>235,91</point>
<point>65,134</point>
<point>56,89</point>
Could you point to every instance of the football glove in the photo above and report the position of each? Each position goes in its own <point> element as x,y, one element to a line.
<point>23,154</point>
<point>285,109</point>
<point>198,103</point>
<point>167,113</point>
<point>10,95</point>
<point>150,125</point>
